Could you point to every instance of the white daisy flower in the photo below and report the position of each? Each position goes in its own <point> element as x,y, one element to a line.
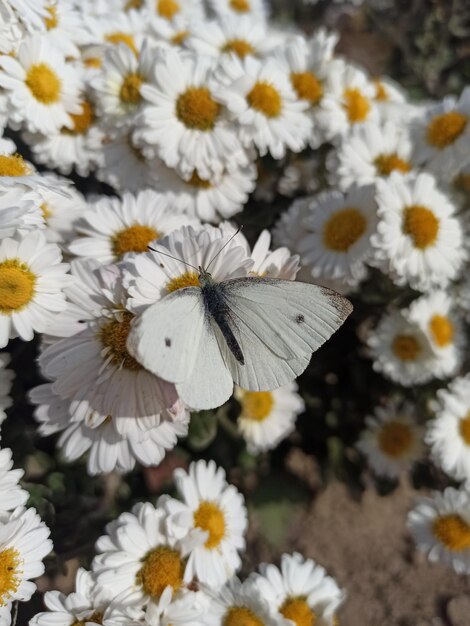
<point>441,135</point>
<point>440,526</point>
<point>341,227</point>
<point>241,603</point>
<point>267,417</point>
<point>230,34</point>
<point>171,33</point>
<point>23,545</point>
<point>210,522</point>
<point>172,9</point>
<point>16,172</point>
<point>108,449</point>
<point>256,9</point>
<point>114,228</point>
<point>393,441</point>
<point>209,199</point>
<point>11,494</point>
<point>277,263</point>
<point>349,101</point>
<point>300,591</point>
<point>20,211</point>
<point>113,28</point>
<point>6,379</point>
<point>369,152</point>
<point>435,315</point>
<point>42,88</point>
<point>94,370</point>
<point>31,13</point>
<point>64,27</point>
<point>137,553</point>
<point>419,241</point>
<point>391,101</point>
<point>182,122</point>
<point>151,276</point>
<point>32,279</point>
<point>401,351</point>
<point>264,104</point>
<point>87,604</point>
<point>449,433</point>
<point>118,86</point>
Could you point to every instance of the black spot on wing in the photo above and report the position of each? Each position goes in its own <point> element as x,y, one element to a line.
<point>167,342</point>
<point>300,319</point>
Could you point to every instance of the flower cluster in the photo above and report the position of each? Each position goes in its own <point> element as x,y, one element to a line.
<point>175,563</point>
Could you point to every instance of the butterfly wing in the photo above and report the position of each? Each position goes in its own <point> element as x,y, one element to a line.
<point>166,338</point>
<point>278,324</point>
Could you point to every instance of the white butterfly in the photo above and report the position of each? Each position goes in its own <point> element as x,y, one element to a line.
<point>257,332</point>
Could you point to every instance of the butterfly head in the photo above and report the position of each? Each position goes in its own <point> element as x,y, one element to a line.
<point>205,278</point>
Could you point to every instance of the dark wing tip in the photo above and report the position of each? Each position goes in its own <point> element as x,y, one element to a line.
<point>340,303</point>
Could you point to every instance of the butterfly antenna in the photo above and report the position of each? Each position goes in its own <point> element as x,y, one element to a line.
<point>173,257</point>
<point>224,246</point>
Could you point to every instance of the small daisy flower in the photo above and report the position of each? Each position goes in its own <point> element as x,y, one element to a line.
<point>11,494</point>
<point>341,227</point>
<point>210,522</point>
<point>114,228</point>
<point>449,433</point>
<point>20,211</point>
<point>273,263</point>
<point>435,314</point>
<point>369,152</point>
<point>182,122</point>
<point>42,89</point>
<point>112,29</point>
<point>60,211</point>
<point>401,350</point>
<point>87,604</point>
<point>257,9</point>
<point>393,441</point>
<point>440,526</point>
<point>300,591</point>
<point>419,241</point>
<point>64,28</point>
<point>238,35</point>
<point>32,279</point>
<point>151,276</point>
<point>6,379</point>
<point>349,101</point>
<point>171,33</point>
<point>137,553</point>
<point>264,104</point>
<point>241,603</point>
<point>441,135</point>
<point>267,417</point>
<point>23,545</point>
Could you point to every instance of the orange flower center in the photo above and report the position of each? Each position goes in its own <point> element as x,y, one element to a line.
<point>265,99</point>
<point>442,330</point>
<point>406,347</point>
<point>421,225</point>
<point>343,229</point>
<point>395,439</point>
<point>388,163</point>
<point>307,86</point>
<point>196,109</point>
<point>356,105</point>
<point>452,531</point>
<point>443,130</point>
<point>298,611</point>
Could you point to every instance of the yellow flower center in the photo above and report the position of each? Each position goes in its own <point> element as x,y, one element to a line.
<point>240,6</point>
<point>381,93</point>
<point>388,163</point>
<point>444,129</point>
<point>161,568</point>
<point>130,89</point>
<point>81,121</point>
<point>307,86</point>
<point>133,4</point>
<point>133,239</point>
<point>113,335</point>
<point>188,279</point>
<point>421,225</point>
<point>406,347</point>
<point>357,106</point>
<point>95,618</point>
<point>464,428</point>
<point>120,37</point>
<point>45,210</point>
<point>210,518</point>
<point>265,99</point>
<point>297,610</point>
<point>179,38</point>
<point>13,165</point>
<point>93,62</point>
<point>9,579</point>
<point>452,531</point>
<point>343,229</point>
<point>257,405</point>
<point>43,83</point>
<point>168,8</point>
<point>197,181</point>
<point>395,439</point>
<point>196,109</point>
<point>17,285</point>
<point>240,47</point>
<point>241,616</point>
<point>51,21</point>
<point>442,330</point>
